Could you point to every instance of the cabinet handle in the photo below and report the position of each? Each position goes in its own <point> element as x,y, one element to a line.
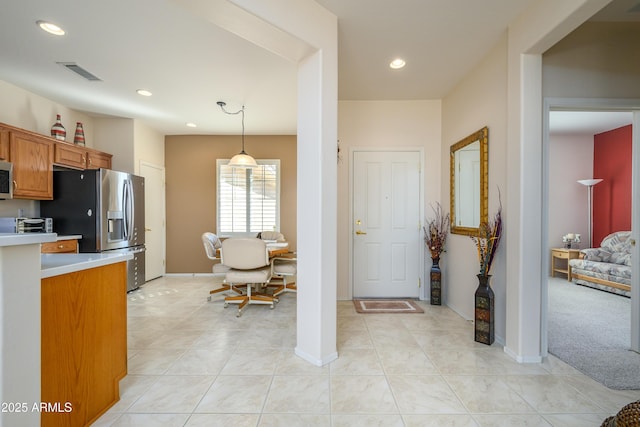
<point>60,246</point>
<point>90,160</point>
<point>15,185</point>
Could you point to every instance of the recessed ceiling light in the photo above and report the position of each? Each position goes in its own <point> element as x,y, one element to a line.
<point>191,125</point>
<point>50,28</point>
<point>144,92</point>
<point>397,63</point>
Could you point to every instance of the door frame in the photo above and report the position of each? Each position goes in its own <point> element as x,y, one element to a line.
<point>162,195</point>
<point>420,150</point>
<point>592,104</point>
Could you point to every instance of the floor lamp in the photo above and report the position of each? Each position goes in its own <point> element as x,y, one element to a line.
<point>589,183</point>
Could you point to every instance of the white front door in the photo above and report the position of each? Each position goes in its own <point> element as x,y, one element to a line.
<point>154,218</point>
<point>386,224</point>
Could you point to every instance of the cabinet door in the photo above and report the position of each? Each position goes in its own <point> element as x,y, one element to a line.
<point>70,155</point>
<point>32,158</point>
<point>97,160</point>
<point>4,145</point>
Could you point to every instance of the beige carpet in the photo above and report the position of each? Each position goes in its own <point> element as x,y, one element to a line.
<point>386,306</point>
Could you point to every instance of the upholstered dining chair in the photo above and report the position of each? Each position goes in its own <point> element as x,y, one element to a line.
<point>284,269</point>
<point>272,236</point>
<point>248,262</point>
<point>212,244</point>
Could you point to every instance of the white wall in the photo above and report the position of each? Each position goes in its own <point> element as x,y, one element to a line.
<point>479,100</point>
<point>38,114</point>
<point>149,146</point>
<point>384,124</point>
<point>116,136</point>
<point>570,159</point>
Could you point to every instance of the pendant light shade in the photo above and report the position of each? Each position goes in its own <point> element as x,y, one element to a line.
<point>242,159</point>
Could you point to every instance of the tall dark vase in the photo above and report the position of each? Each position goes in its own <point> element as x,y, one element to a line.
<point>436,282</point>
<point>484,331</point>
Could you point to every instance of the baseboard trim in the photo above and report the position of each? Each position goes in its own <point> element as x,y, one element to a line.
<point>314,360</point>
<point>521,359</point>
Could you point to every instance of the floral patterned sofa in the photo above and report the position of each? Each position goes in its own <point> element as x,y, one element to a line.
<point>608,267</point>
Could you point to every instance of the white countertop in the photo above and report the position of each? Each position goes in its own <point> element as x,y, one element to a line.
<point>73,237</point>
<point>57,264</point>
<point>16,239</point>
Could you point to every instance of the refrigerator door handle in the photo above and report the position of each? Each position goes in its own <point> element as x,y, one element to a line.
<point>128,209</point>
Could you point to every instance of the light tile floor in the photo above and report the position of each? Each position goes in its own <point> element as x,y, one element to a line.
<point>194,363</point>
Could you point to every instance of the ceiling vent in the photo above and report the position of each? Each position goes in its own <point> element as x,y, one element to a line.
<point>72,66</point>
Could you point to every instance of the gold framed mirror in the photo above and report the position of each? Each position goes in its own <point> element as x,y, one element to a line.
<point>469,187</point>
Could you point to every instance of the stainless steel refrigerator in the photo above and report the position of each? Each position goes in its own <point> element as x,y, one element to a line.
<point>106,207</point>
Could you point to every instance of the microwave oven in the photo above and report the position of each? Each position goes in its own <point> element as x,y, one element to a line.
<point>6,180</point>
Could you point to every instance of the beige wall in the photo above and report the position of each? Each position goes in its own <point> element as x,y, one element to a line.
<point>385,124</point>
<point>596,60</point>
<point>191,191</point>
<point>479,100</point>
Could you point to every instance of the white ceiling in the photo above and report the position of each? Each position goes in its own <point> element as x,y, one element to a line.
<point>587,122</point>
<point>189,63</point>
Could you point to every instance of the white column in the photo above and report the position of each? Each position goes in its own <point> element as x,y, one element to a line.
<point>317,204</point>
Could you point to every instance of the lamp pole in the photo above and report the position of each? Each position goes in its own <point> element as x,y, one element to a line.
<point>589,183</point>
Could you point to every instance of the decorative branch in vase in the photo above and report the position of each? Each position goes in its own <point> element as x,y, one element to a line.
<point>435,237</point>
<point>487,242</point>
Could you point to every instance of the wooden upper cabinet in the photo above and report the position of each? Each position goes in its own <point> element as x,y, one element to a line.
<point>98,159</point>
<point>32,158</point>
<point>4,145</point>
<point>78,157</point>
<point>70,155</point>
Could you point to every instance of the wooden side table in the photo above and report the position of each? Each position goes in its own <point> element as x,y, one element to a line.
<point>566,254</point>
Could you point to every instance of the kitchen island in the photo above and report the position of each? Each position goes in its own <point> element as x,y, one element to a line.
<point>23,340</point>
<point>84,335</point>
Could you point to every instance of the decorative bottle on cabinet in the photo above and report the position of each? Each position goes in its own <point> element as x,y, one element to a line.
<point>57,130</point>
<point>79,136</point>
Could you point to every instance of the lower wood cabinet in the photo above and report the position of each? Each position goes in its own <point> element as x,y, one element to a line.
<point>60,247</point>
<point>84,343</point>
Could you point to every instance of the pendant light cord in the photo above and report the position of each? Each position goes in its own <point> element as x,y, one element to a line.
<point>222,104</point>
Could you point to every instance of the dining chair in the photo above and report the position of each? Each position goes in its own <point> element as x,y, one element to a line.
<point>212,244</point>
<point>248,262</point>
<point>271,236</point>
<point>284,269</point>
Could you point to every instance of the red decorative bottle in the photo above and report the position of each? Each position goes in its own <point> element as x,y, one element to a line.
<point>79,136</point>
<point>57,130</point>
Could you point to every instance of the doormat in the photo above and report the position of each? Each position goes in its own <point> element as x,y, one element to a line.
<point>386,306</point>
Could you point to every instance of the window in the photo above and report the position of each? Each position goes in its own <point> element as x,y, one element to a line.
<point>248,199</point>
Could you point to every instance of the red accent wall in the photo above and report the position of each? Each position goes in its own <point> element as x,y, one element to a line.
<point>612,197</point>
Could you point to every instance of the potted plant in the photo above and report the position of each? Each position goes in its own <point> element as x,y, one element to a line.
<point>487,241</point>
<point>435,236</point>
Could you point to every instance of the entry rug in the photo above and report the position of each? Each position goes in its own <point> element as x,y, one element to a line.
<point>386,306</point>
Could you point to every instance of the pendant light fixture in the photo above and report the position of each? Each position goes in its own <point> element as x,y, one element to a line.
<point>242,159</point>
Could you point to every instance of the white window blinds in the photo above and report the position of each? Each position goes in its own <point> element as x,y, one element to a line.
<point>248,199</point>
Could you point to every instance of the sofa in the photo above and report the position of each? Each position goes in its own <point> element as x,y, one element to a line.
<point>607,267</point>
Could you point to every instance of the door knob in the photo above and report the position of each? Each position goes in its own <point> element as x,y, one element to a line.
<point>361,232</point>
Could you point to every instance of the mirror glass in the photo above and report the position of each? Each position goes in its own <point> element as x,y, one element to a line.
<point>469,182</point>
